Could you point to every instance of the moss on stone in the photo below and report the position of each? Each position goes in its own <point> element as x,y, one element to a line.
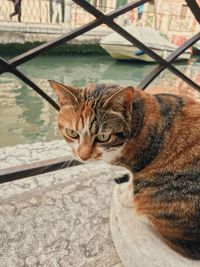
<point>65,49</point>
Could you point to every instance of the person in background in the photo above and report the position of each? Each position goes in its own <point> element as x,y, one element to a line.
<point>57,11</point>
<point>140,11</point>
<point>17,7</point>
<point>131,16</point>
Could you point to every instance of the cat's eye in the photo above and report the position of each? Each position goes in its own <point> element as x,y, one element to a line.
<point>103,137</point>
<point>71,133</point>
<point>121,135</point>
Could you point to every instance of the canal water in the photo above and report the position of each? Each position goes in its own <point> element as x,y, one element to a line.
<point>26,118</point>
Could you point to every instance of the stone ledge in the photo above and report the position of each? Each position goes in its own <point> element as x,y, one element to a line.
<point>24,32</point>
<point>56,219</point>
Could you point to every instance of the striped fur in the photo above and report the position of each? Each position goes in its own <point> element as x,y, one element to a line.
<point>157,138</point>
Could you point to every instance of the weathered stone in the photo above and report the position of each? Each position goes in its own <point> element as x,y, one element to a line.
<point>56,219</point>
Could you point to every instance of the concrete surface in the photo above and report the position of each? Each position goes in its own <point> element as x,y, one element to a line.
<point>56,219</point>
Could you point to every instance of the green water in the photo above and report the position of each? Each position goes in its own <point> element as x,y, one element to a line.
<point>26,118</point>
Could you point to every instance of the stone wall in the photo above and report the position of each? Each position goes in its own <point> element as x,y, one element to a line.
<point>22,32</point>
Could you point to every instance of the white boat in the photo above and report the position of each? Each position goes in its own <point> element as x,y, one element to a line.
<point>120,48</point>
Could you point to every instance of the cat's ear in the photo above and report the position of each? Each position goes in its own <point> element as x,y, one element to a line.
<point>66,95</point>
<point>121,98</point>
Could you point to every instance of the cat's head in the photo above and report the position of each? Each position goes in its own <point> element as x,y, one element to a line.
<point>95,120</point>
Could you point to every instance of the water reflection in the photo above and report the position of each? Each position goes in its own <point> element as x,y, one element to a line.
<point>26,117</point>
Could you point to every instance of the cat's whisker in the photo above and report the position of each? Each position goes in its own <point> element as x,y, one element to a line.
<point>64,165</point>
<point>69,163</point>
<point>72,163</point>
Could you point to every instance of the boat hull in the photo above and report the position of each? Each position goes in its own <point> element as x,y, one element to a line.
<point>128,52</point>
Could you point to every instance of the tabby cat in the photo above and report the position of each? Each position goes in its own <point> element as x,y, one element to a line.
<point>156,137</point>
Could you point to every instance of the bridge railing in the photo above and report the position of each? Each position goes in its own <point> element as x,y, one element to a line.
<point>100,18</point>
<point>42,12</point>
<point>71,15</point>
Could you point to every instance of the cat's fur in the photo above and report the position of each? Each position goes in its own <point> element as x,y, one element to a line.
<point>157,138</point>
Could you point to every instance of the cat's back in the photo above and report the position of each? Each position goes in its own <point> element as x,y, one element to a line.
<point>187,105</point>
<point>167,189</point>
<point>182,111</point>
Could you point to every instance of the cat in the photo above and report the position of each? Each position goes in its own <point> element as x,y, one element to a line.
<point>156,137</point>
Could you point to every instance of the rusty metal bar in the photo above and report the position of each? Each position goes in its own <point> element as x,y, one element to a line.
<point>92,10</point>
<point>60,40</point>
<point>176,53</point>
<point>107,19</point>
<point>20,172</point>
<point>192,4</point>
<point>74,33</point>
<point>10,68</point>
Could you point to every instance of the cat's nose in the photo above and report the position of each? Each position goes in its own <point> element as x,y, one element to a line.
<point>84,157</point>
<point>84,152</point>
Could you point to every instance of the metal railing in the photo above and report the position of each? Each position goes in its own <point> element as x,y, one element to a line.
<point>107,19</point>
